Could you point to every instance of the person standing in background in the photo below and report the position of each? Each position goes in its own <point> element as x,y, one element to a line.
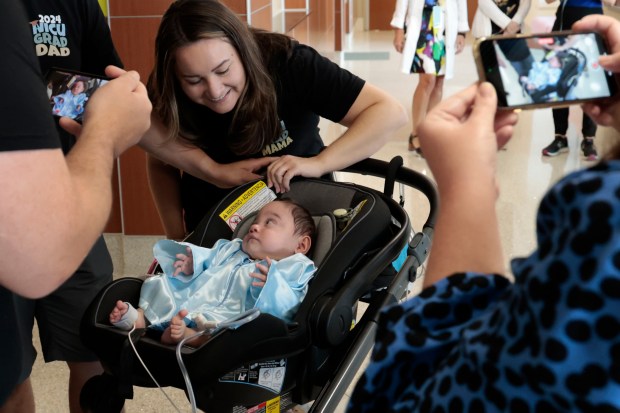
<point>499,17</point>
<point>428,33</point>
<point>73,35</point>
<point>568,12</point>
<point>505,17</point>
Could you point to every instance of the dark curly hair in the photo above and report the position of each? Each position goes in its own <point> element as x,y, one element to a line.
<point>304,223</point>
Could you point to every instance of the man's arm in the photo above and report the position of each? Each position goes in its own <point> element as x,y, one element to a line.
<point>54,209</point>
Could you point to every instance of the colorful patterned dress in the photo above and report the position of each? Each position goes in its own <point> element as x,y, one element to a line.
<point>430,56</point>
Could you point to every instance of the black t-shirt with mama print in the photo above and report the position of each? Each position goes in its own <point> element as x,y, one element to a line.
<point>308,87</point>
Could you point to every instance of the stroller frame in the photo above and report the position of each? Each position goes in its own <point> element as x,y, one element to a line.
<point>320,350</point>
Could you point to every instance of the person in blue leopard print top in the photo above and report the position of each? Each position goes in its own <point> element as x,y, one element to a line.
<point>474,342</point>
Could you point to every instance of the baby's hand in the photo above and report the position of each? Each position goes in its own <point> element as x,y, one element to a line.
<point>261,276</point>
<point>184,263</point>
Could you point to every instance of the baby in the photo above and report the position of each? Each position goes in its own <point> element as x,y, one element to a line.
<point>71,103</point>
<point>268,270</point>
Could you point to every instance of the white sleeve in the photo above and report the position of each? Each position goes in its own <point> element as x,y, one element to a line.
<point>522,11</point>
<point>463,24</point>
<point>490,9</point>
<point>400,14</point>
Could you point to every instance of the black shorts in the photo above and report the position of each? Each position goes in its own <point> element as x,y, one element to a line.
<point>59,314</point>
<point>16,351</point>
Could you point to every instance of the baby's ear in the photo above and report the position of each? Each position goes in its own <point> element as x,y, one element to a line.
<point>303,244</point>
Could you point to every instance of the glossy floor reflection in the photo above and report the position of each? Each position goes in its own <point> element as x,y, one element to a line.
<point>524,175</point>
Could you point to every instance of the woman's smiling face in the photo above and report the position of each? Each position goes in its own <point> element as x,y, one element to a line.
<point>211,73</point>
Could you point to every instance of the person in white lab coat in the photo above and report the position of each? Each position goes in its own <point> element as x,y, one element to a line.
<point>429,33</point>
<point>499,17</point>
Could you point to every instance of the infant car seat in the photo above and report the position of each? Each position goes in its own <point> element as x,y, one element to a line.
<point>270,362</point>
<point>573,64</point>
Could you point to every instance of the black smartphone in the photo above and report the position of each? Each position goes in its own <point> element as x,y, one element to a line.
<point>544,70</point>
<point>68,91</point>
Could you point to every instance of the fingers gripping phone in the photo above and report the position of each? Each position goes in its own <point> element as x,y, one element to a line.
<point>68,91</point>
<point>544,70</point>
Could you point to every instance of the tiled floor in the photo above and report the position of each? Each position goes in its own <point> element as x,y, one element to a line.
<point>523,176</point>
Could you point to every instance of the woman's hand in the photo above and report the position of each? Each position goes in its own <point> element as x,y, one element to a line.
<point>238,173</point>
<point>467,230</point>
<point>606,112</point>
<point>399,40</point>
<point>465,123</point>
<point>281,171</point>
<point>512,28</point>
<point>460,43</point>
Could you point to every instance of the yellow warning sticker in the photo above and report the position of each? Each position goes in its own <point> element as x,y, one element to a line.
<point>273,405</point>
<point>270,406</point>
<point>251,200</point>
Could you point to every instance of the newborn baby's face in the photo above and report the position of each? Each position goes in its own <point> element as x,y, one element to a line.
<point>272,234</point>
<point>77,88</point>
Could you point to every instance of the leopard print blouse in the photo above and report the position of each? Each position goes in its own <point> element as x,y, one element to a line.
<point>549,342</point>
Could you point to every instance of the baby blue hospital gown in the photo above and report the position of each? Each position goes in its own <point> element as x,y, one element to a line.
<point>69,104</point>
<point>542,74</point>
<point>221,286</point>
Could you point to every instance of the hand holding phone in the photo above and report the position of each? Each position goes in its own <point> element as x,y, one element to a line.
<point>605,113</point>
<point>69,91</point>
<point>545,70</point>
<point>122,108</point>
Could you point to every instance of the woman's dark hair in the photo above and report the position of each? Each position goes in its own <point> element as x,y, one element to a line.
<point>255,119</point>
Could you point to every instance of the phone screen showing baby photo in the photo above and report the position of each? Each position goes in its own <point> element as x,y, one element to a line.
<point>550,69</point>
<point>68,91</point>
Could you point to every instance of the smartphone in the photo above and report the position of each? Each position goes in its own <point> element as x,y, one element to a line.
<point>544,70</point>
<point>68,91</point>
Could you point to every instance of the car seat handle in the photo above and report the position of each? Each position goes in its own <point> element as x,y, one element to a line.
<point>390,177</point>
